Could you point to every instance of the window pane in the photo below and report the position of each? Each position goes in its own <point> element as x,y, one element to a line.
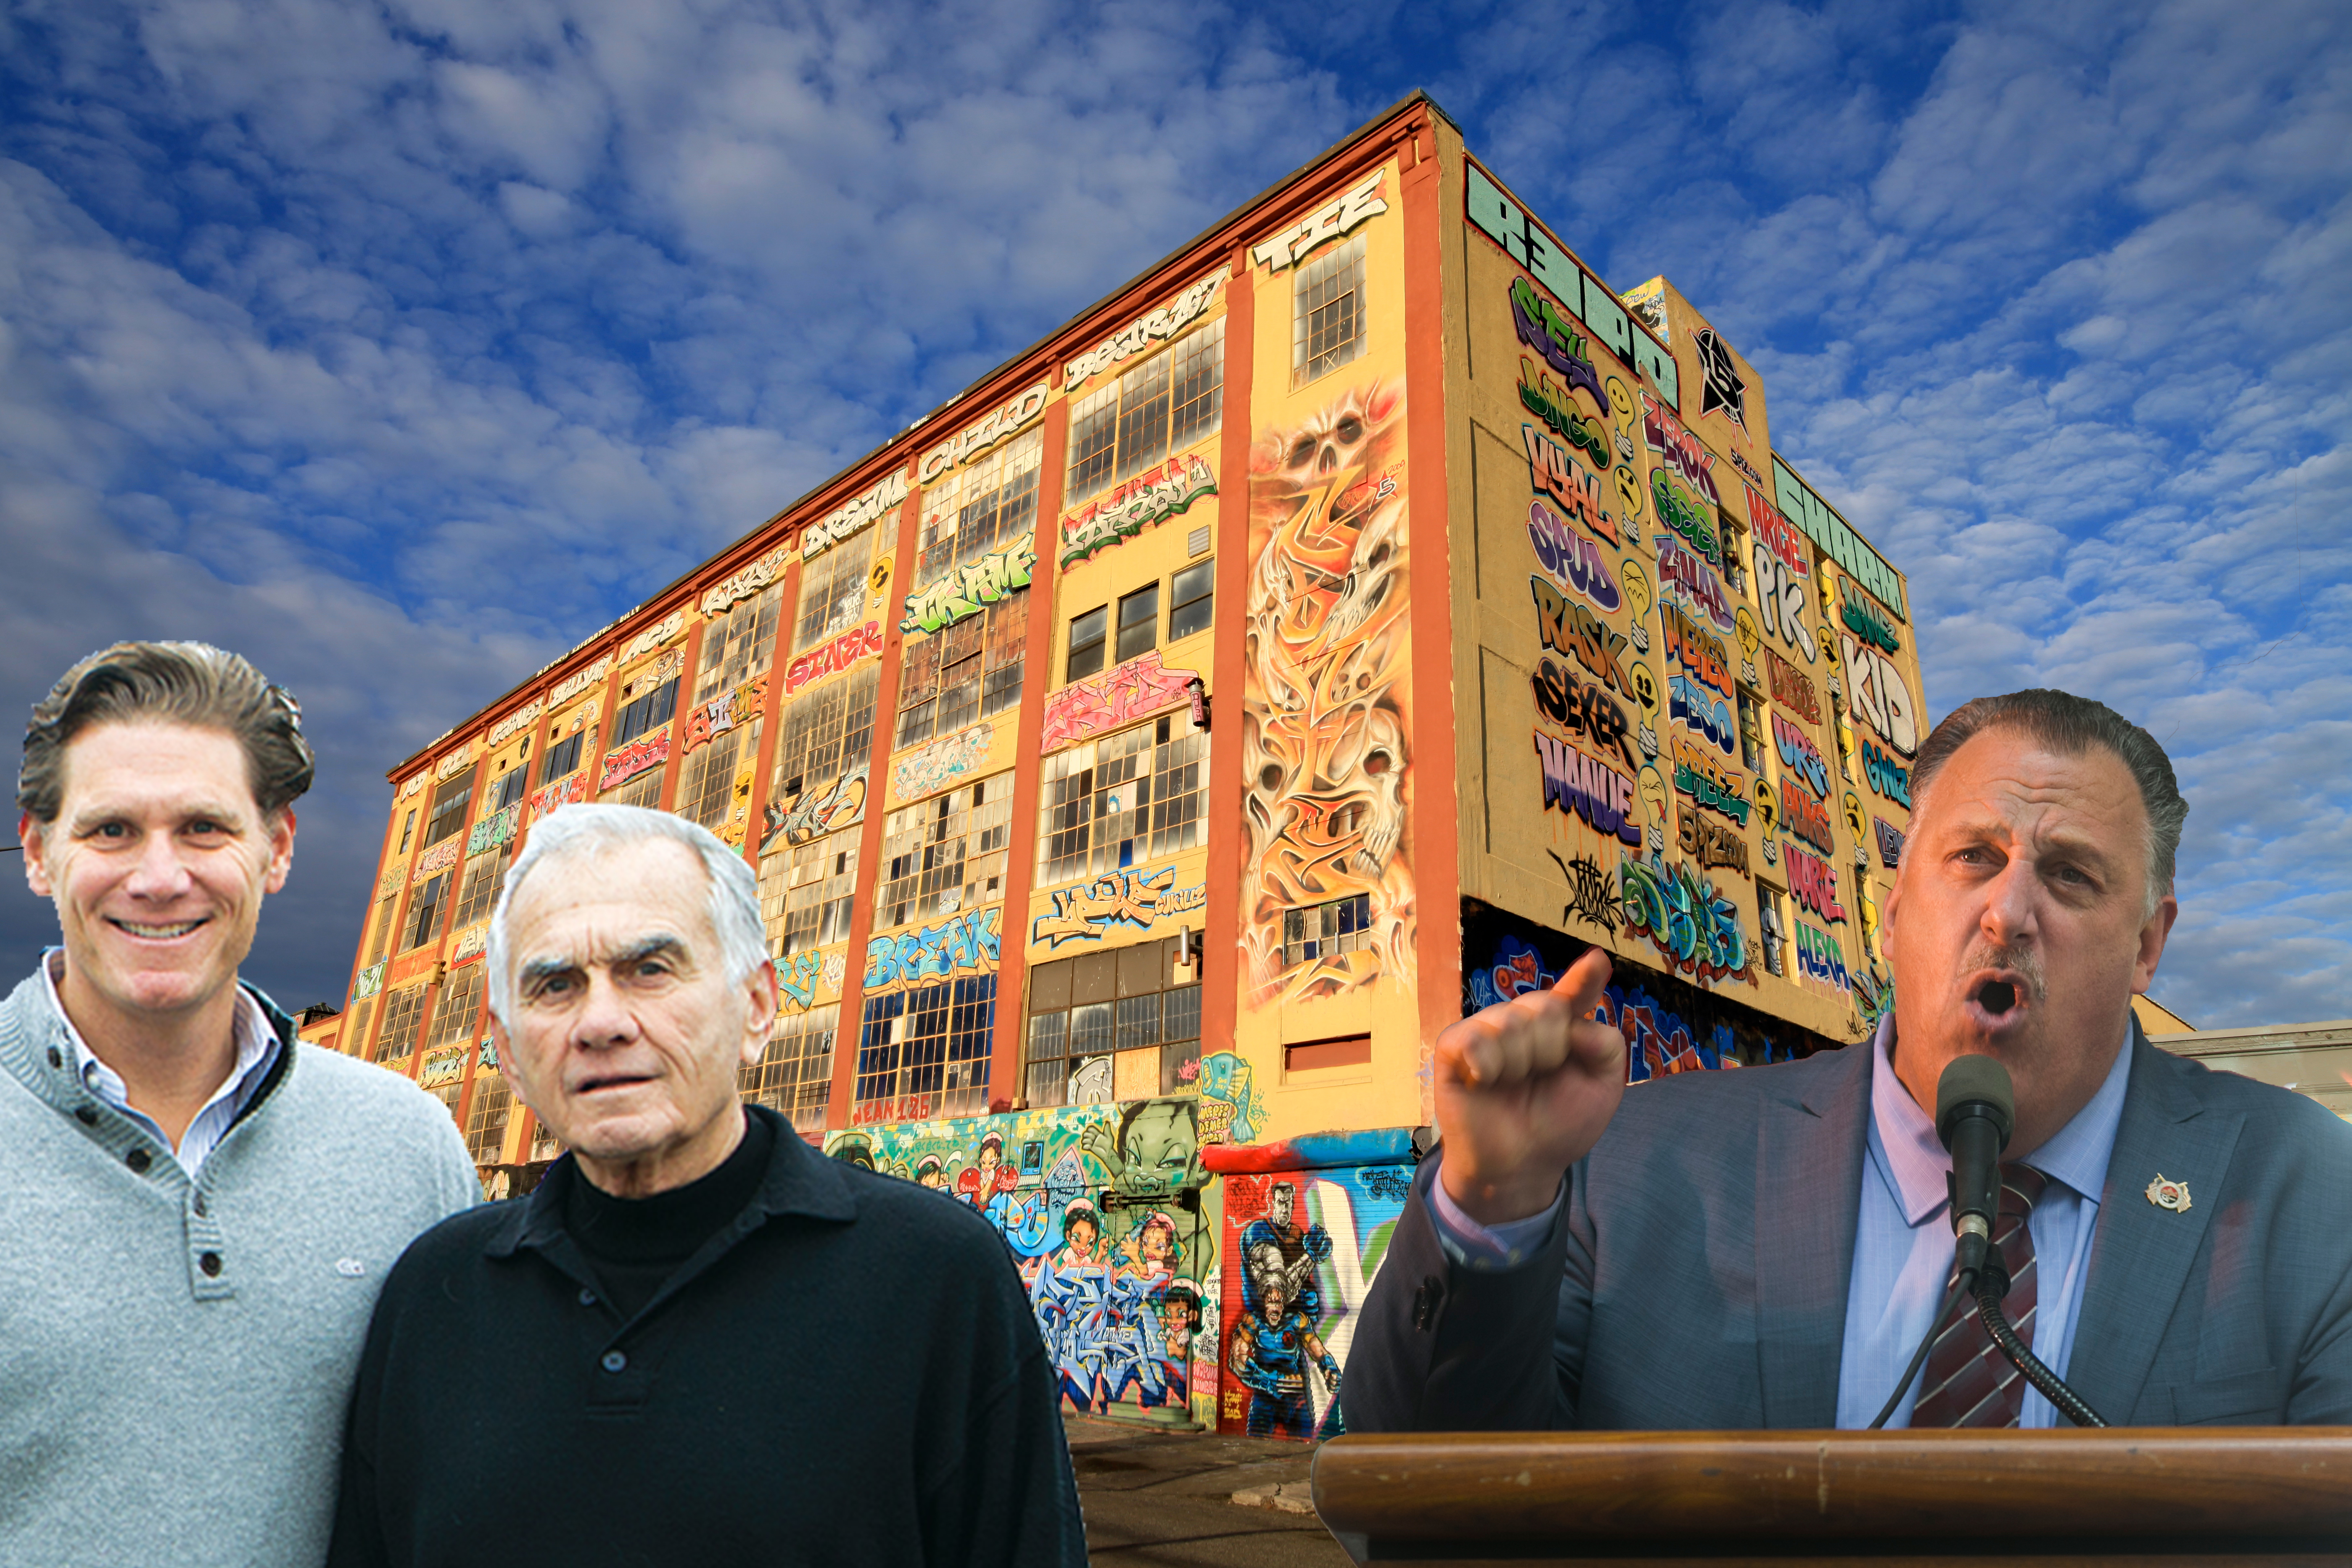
<point>1087,634</point>
<point>1328,323</point>
<point>1192,599</point>
<point>1139,1022</point>
<point>1139,623</point>
<point>1093,434</point>
<point>1090,1029</point>
<point>1142,417</point>
<point>1198,391</point>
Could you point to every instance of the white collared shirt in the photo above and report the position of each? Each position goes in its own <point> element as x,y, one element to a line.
<point>257,1052</point>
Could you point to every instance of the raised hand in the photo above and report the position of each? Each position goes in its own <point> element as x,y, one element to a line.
<point>1524,1089</point>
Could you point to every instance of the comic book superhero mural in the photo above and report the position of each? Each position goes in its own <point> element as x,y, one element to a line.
<point>1326,730</point>
<point>1112,1221</point>
<point>1301,1249</point>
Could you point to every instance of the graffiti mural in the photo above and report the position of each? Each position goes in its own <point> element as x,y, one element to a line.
<point>1677,1029</point>
<point>1549,331</point>
<point>1337,216</point>
<point>971,587</point>
<point>1700,692</point>
<point>1885,776</point>
<point>1800,756</point>
<point>1702,776</point>
<point>1571,561</point>
<point>1586,711</point>
<point>1151,496</point>
<point>832,658</point>
<point>956,948</point>
<point>495,831</point>
<point>1697,929</point>
<point>1803,818</point>
<point>1136,690</point>
<point>1549,473</point>
<point>1812,882</point>
<point>634,759</point>
<point>1880,697</point>
<point>724,715</point>
<point>815,813</point>
<point>1692,583</point>
<point>1010,420</point>
<point>1152,327</point>
<point>1865,617</point>
<point>567,791</point>
<point>1549,401</point>
<point>1792,688</point>
<point>1709,844</point>
<point>1890,843</point>
<point>1577,785</point>
<point>1326,735</point>
<point>433,861</point>
<point>930,768</point>
<point>853,515</point>
<point>1232,1109</point>
<point>1567,627</point>
<point>1592,894</point>
<point>1680,454</point>
<point>1821,958</point>
<point>1092,910</point>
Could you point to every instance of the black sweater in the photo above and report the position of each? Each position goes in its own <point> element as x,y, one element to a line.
<point>846,1370</point>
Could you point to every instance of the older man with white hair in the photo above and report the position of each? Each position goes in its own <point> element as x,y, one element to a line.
<point>698,1340</point>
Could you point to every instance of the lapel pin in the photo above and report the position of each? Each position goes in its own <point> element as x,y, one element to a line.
<point>2165,1194</point>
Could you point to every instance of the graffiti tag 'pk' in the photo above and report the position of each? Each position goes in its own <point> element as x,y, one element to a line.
<point>1154,496</point>
<point>1549,473</point>
<point>971,588</point>
<point>1800,756</point>
<point>1694,926</point>
<point>964,943</point>
<point>1885,777</point>
<point>1570,560</point>
<point>1578,785</point>
<point>1088,912</point>
<point>1690,581</point>
<point>1814,884</point>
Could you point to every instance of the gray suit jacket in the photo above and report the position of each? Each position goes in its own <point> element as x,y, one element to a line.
<point>1699,1278</point>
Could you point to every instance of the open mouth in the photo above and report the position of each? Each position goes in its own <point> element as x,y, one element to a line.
<point>171,932</point>
<point>1999,998</point>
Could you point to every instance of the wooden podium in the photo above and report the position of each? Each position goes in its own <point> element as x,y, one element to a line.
<point>2174,1496</point>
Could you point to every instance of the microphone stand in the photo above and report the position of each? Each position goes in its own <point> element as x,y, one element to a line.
<point>1991,1285</point>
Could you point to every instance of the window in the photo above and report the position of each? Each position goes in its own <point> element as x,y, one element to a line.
<point>833,588</point>
<point>1086,637</point>
<point>449,813</point>
<point>425,911</point>
<point>644,789</point>
<point>1328,319</point>
<point>1122,799</point>
<point>383,926</point>
<point>486,1118</point>
<point>1192,600</point>
<point>485,874</point>
<point>705,795</point>
<point>808,893</point>
<point>1323,931</point>
<point>648,712</point>
<point>1751,737</point>
<point>403,1012</point>
<point>544,1144</point>
<point>562,759</point>
<point>461,1008</point>
<point>945,855</point>
<point>971,513</point>
<point>795,1076</point>
<point>964,672</point>
<point>355,1039</point>
<point>1770,919</point>
<point>738,645</point>
<point>507,789</point>
<point>1138,622</point>
<point>826,733</point>
<point>925,1053</point>
<point>1160,407</point>
<point>407,829</point>
<point>1104,1004</point>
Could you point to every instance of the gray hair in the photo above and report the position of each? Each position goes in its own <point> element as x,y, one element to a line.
<point>2070,726</point>
<point>734,891</point>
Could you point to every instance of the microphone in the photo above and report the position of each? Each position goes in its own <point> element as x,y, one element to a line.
<point>1976,1111</point>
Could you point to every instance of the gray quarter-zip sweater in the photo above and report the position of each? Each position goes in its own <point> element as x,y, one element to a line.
<point>176,1355</point>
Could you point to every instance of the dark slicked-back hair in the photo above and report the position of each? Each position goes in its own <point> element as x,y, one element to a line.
<point>189,683</point>
<point>2070,726</point>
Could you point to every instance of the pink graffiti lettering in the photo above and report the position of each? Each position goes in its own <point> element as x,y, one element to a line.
<point>634,759</point>
<point>1814,884</point>
<point>1682,453</point>
<point>838,655</point>
<point>1690,581</point>
<point>1134,689</point>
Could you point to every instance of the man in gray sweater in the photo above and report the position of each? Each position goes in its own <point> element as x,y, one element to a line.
<point>195,1209</point>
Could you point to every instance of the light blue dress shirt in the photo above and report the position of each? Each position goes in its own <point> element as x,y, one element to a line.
<point>1902,1242</point>
<point>257,1049</point>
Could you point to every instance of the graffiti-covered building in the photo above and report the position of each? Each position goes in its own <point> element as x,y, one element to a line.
<point>1143,756</point>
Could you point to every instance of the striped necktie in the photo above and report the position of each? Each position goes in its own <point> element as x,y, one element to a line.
<point>1970,1383</point>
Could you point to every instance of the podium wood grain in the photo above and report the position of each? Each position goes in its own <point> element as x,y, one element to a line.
<point>2174,1495</point>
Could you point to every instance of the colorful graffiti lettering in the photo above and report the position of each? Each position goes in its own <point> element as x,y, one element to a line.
<point>1885,776</point>
<point>1154,496</point>
<point>1136,690</point>
<point>1775,532</point>
<point>815,813</point>
<point>1137,899</point>
<point>1547,399</point>
<point>1571,629</point>
<point>1695,927</point>
<point>1695,649</point>
<point>436,860</point>
<point>1232,1109</point>
<point>853,514</point>
<point>1570,560</point>
<point>961,944</point>
<point>1554,335</point>
<point>1814,884</point>
<point>1153,326</point>
<point>723,715</point>
<point>930,769</point>
<point>832,658</point>
<point>1658,1042</point>
<point>797,978</point>
<point>1549,473</point>
<point>1879,696</point>
<point>1792,688</point>
<point>1679,452</point>
<point>971,587</point>
<point>1818,956</point>
<point>1709,844</point>
<point>1577,785</point>
<point>634,759</point>
<point>1700,774</point>
<point>1016,413</point>
<point>1335,217</point>
<point>494,831</point>
<point>569,791</point>
<point>1681,511</point>
<point>1692,706</point>
<point>1865,617</point>
<point>1804,817</point>
<point>1325,747</point>
<point>1781,596</point>
<point>1689,581</point>
<point>1582,709</point>
<point>368,982</point>
<point>1592,894</point>
<point>1890,843</point>
<point>1800,756</point>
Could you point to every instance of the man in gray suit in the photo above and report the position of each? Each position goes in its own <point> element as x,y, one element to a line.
<point>1764,1248</point>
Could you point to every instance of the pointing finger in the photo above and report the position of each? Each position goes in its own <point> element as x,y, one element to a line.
<point>1584,982</point>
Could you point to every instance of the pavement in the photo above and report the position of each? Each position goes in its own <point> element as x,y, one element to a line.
<point>1156,1496</point>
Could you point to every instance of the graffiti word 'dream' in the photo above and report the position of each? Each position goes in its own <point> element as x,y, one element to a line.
<point>1549,473</point>
<point>1152,327</point>
<point>1570,560</point>
<point>1151,497</point>
<point>832,658</point>
<point>853,514</point>
<point>1140,686</point>
<point>1018,411</point>
<point>963,944</point>
<point>1335,217</point>
<point>1089,912</point>
<point>971,587</point>
<point>1577,785</point>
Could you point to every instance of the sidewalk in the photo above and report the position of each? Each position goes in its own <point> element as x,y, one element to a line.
<point>1160,1496</point>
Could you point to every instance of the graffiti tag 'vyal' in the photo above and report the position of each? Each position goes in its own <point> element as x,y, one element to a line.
<point>1135,689</point>
<point>971,587</point>
<point>1091,911</point>
<point>831,657</point>
<point>1549,473</point>
<point>1571,561</point>
<point>964,944</point>
<point>929,770</point>
<point>1697,929</point>
<point>1154,496</point>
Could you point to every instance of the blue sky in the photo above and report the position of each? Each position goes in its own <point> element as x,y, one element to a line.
<point>401,346</point>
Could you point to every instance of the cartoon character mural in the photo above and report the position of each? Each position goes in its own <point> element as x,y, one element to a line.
<point>1327,722</point>
<point>1301,1250</point>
